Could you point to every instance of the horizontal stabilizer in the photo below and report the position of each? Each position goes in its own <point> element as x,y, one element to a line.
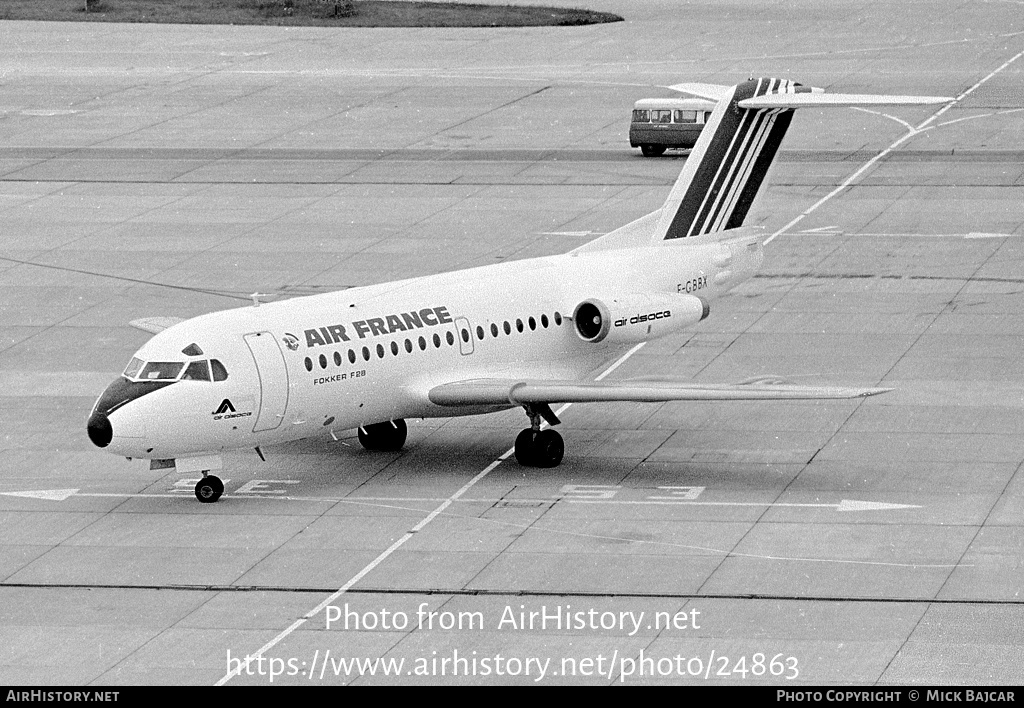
<point>519,392</point>
<point>837,100</point>
<point>155,325</point>
<point>712,92</point>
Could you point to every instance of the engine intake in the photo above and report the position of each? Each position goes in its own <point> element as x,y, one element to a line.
<point>636,317</point>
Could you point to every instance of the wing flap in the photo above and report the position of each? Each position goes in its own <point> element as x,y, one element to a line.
<point>519,392</point>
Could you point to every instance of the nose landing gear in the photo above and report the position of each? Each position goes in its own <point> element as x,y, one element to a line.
<point>209,488</point>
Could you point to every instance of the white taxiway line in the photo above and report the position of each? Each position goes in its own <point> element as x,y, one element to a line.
<point>907,136</point>
<point>185,495</point>
<point>398,544</point>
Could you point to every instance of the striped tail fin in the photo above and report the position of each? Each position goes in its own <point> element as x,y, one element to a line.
<point>727,166</point>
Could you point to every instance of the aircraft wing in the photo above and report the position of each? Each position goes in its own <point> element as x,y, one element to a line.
<point>523,391</point>
<point>155,325</point>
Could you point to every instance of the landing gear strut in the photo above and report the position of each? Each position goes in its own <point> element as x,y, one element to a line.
<point>209,488</point>
<point>388,436</point>
<point>536,447</point>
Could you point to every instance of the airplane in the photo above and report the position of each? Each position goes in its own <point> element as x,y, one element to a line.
<point>528,333</point>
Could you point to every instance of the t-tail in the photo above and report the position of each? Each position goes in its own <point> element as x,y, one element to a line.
<point>727,166</point>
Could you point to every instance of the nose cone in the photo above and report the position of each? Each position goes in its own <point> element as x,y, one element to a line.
<point>118,394</point>
<point>100,430</point>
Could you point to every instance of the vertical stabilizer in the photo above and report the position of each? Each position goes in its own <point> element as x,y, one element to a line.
<point>727,166</point>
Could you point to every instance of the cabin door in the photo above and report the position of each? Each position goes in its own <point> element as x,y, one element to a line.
<point>273,379</point>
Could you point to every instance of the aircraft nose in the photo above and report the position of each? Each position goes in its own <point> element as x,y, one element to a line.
<point>99,429</point>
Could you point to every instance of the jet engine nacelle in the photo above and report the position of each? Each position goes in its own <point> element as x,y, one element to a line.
<point>635,317</point>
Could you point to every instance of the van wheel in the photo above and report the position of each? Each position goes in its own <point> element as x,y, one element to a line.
<point>652,150</point>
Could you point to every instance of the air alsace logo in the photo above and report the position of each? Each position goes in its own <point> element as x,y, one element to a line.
<point>290,341</point>
<point>226,410</point>
<point>640,319</point>
<point>378,326</point>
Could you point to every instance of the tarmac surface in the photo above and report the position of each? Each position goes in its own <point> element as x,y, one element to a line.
<point>173,170</point>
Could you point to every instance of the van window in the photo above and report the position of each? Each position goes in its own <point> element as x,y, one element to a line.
<point>661,116</point>
<point>641,116</point>
<point>685,116</point>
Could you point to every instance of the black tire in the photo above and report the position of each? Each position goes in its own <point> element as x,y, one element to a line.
<point>652,150</point>
<point>525,448</point>
<point>209,489</point>
<point>388,436</point>
<point>548,449</point>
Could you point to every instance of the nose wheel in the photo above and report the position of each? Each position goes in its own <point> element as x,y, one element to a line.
<point>209,489</point>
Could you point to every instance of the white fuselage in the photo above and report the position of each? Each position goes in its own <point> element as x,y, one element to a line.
<point>290,368</point>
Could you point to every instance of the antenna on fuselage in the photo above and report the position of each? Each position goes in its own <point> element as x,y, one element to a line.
<point>256,298</point>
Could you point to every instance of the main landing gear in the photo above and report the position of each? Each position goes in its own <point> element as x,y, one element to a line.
<point>209,488</point>
<point>388,436</point>
<point>536,447</point>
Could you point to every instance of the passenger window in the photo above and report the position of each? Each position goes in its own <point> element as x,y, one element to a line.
<point>533,324</point>
<point>337,358</point>
<point>423,344</point>
<point>309,364</point>
<point>394,348</point>
<point>544,321</point>
<point>558,319</point>
<point>221,374</point>
<point>508,328</point>
<point>641,116</point>
<point>686,116</point>
<point>162,370</point>
<point>351,356</point>
<point>437,341</point>
<point>465,335</point>
<point>661,116</point>
<point>366,354</point>
<point>408,345</point>
<point>450,337</point>
<point>479,333</point>
<point>197,371</point>
<point>519,325</point>
<point>323,362</point>
<point>132,370</point>
<point>380,351</point>
<point>494,330</point>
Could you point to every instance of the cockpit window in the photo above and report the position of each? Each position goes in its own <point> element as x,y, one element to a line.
<point>132,370</point>
<point>192,350</point>
<point>161,370</point>
<point>219,372</point>
<point>197,371</point>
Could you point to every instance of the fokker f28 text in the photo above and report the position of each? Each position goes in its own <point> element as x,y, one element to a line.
<point>527,334</point>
